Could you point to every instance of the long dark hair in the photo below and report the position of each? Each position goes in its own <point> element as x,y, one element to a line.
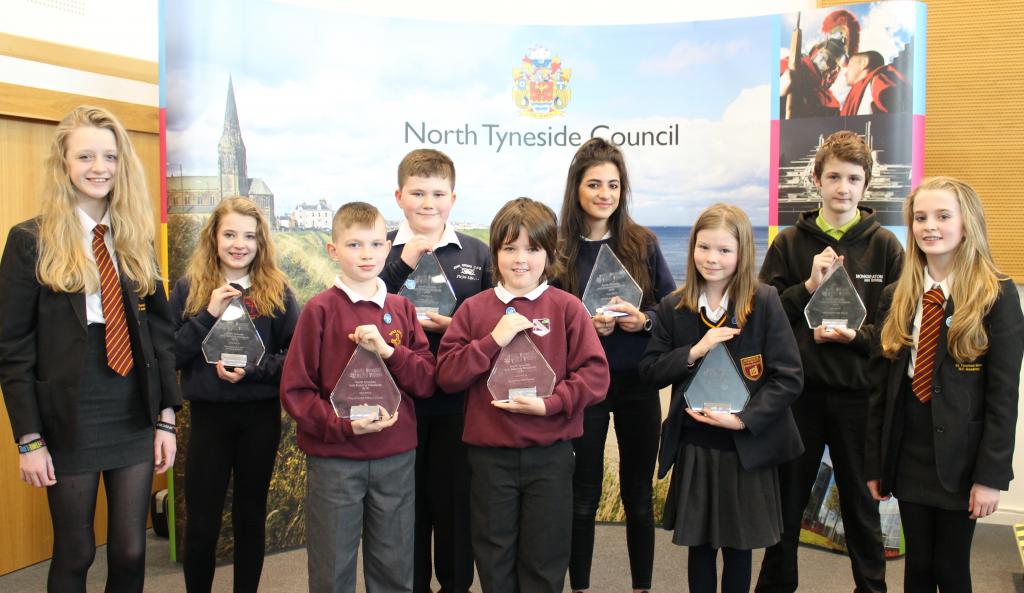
<point>630,241</point>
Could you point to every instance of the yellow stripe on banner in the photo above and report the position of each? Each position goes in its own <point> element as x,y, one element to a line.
<point>1018,531</point>
<point>163,257</point>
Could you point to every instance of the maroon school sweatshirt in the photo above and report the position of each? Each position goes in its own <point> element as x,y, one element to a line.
<point>570,346</point>
<point>319,351</point>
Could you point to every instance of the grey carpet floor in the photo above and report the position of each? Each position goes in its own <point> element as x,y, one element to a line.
<point>996,568</point>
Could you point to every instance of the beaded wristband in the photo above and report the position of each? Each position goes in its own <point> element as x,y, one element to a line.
<point>31,446</point>
<point>166,427</point>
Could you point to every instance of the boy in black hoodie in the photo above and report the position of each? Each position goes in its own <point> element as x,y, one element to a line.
<point>832,409</point>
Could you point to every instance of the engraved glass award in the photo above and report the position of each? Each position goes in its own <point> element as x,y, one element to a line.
<point>233,340</point>
<point>521,370</point>
<point>428,288</point>
<point>836,303</point>
<point>364,387</point>
<point>717,385</point>
<point>608,279</point>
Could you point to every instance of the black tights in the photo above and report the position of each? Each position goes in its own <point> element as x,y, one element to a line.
<point>703,574</point>
<point>72,508</point>
<point>938,549</point>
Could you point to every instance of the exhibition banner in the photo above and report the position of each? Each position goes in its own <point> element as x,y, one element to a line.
<point>303,108</point>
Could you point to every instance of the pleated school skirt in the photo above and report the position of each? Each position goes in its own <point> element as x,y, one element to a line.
<point>713,500</point>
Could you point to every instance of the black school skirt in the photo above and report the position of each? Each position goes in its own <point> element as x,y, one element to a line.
<point>713,500</point>
<point>112,428</point>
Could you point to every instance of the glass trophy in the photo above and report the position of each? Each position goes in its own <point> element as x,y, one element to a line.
<point>428,288</point>
<point>233,340</point>
<point>520,369</point>
<point>836,303</point>
<point>608,279</point>
<point>717,386</point>
<point>364,387</point>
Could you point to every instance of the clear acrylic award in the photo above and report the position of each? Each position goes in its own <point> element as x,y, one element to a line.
<point>608,279</point>
<point>717,385</point>
<point>364,387</point>
<point>428,288</point>
<point>836,302</point>
<point>233,339</point>
<point>521,369</point>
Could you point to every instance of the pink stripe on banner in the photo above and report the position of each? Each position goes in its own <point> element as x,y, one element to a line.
<point>917,151</point>
<point>773,175</point>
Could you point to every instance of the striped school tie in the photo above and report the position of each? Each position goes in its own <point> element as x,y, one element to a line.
<point>119,348</point>
<point>932,307</point>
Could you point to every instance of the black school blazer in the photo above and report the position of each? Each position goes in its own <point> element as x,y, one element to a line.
<point>42,345</point>
<point>974,404</point>
<point>771,436</point>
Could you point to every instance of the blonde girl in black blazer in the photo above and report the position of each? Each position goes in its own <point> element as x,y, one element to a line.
<point>75,413</point>
<point>942,441</point>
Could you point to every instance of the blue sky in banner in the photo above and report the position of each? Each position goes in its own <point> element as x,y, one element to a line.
<point>330,102</point>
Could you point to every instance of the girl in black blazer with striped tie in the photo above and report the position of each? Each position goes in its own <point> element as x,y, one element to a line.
<point>942,416</point>
<point>86,350</point>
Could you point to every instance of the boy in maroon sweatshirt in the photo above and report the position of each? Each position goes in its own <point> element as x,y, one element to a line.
<point>520,450</point>
<point>359,473</point>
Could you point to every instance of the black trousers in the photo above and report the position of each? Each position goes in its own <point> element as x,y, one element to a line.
<point>521,513</point>
<point>229,439</point>
<point>938,549</point>
<point>637,413</point>
<point>442,506</point>
<point>839,422</point>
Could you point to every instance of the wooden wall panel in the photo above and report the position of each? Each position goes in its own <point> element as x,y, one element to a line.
<point>78,58</point>
<point>25,531</point>
<point>42,104</point>
<point>974,120</point>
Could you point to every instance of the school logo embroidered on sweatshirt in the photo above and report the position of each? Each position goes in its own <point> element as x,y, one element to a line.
<point>396,337</point>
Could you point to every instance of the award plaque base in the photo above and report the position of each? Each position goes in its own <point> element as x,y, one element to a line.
<point>716,407</point>
<point>233,360</point>
<point>362,412</point>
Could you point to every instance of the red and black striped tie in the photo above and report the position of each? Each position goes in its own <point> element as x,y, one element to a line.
<point>119,349</point>
<point>932,307</point>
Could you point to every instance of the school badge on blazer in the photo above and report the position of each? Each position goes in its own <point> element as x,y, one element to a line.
<point>752,367</point>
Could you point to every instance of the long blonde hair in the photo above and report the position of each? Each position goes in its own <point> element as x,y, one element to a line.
<point>204,272</point>
<point>975,279</point>
<point>63,265</point>
<point>744,282</point>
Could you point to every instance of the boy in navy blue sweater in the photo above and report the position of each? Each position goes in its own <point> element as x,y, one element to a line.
<point>426,194</point>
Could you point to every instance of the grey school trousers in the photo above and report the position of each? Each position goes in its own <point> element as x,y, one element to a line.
<point>346,498</point>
